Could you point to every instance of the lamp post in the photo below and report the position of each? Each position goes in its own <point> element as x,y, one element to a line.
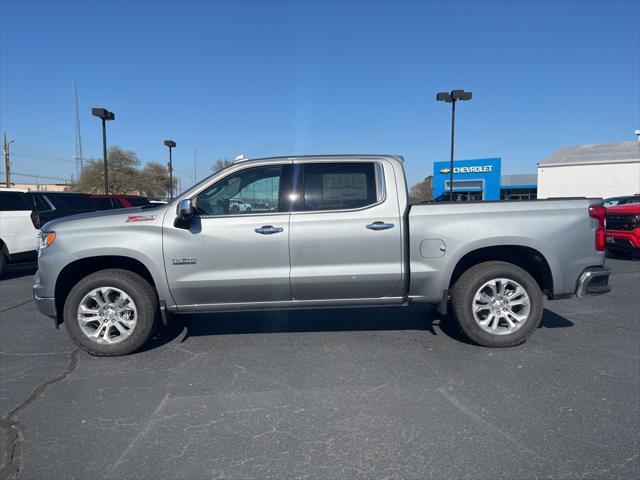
<point>104,115</point>
<point>452,97</point>
<point>171,144</point>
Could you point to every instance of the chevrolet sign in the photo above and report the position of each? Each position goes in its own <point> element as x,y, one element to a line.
<point>483,169</point>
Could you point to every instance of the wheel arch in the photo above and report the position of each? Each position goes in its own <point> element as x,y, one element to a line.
<point>528,258</point>
<point>78,269</point>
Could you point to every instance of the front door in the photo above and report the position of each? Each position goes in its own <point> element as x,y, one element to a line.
<point>237,248</point>
<point>346,232</point>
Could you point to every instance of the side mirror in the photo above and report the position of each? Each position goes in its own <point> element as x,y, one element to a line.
<point>185,214</point>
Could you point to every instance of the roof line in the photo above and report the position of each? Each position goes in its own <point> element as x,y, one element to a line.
<point>600,162</point>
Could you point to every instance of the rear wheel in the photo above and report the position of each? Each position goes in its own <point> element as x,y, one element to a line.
<point>111,312</point>
<point>497,304</point>
<point>3,262</point>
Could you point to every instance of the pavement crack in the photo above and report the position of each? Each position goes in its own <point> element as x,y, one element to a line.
<point>15,430</point>
<point>16,306</point>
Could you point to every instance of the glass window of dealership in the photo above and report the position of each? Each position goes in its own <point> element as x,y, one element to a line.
<point>481,179</point>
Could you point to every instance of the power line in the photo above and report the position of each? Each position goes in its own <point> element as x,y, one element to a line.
<point>44,155</point>
<point>17,174</point>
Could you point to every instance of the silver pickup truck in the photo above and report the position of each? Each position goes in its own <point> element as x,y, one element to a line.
<point>317,231</point>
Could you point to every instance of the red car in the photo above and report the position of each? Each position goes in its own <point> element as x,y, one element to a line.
<point>109,202</point>
<point>623,229</point>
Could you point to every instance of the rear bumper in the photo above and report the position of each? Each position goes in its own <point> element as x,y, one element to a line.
<point>593,281</point>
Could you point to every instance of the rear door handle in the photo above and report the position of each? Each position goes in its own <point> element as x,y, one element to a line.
<point>380,226</point>
<point>268,230</point>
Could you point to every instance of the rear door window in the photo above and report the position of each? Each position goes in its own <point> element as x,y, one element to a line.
<point>338,186</point>
<point>102,203</point>
<point>137,202</point>
<point>75,202</point>
<point>13,201</point>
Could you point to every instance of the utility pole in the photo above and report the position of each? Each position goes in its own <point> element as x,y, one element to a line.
<point>195,166</point>
<point>79,157</point>
<point>7,163</point>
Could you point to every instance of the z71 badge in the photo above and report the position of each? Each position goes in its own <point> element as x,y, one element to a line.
<point>140,218</point>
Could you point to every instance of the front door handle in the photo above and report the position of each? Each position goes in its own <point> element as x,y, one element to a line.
<point>380,226</point>
<point>268,230</point>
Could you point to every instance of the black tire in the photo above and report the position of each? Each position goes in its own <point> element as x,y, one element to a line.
<point>143,295</point>
<point>3,262</point>
<point>470,282</point>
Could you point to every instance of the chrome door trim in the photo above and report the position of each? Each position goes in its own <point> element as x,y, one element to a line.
<point>292,304</point>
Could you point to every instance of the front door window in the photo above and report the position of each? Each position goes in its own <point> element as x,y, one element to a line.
<point>254,190</point>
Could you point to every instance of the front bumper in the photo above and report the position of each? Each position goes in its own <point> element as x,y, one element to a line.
<point>47,306</point>
<point>593,281</point>
<point>628,241</point>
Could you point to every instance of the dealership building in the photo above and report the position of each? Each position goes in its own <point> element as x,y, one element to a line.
<point>481,179</point>
<point>607,170</point>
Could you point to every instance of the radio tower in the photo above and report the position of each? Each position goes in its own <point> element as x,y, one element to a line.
<point>78,156</point>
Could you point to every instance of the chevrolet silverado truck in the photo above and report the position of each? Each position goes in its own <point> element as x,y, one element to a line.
<point>623,228</point>
<point>323,231</point>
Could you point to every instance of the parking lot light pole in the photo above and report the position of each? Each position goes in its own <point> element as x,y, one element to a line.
<point>171,144</point>
<point>104,115</point>
<point>452,97</point>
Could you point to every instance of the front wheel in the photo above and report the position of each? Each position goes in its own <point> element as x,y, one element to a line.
<point>497,304</point>
<point>111,312</point>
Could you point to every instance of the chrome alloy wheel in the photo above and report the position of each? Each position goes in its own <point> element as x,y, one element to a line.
<point>501,306</point>
<point>107,315</point>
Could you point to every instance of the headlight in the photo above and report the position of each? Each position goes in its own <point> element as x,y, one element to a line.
<point>45,239</point>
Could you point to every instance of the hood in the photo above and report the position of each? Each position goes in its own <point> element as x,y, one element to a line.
<point>627,208</point>
<point>107,215</point>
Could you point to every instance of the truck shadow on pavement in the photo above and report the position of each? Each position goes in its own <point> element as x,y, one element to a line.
<point>415,317</point>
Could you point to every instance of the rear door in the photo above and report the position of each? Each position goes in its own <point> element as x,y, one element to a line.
<point>346,240</point>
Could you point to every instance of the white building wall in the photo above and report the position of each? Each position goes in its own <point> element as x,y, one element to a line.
<point>589,180</point>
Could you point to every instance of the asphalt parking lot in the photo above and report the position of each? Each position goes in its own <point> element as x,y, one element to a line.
<point>352,393</point>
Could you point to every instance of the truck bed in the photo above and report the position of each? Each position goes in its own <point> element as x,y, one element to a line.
<point>559,231</point>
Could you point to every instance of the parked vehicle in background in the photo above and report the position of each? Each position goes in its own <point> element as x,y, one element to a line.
<point>18,230</point>
<point>613,201</point>
<point>111,202</point>
<point>339,232</point>
<point>51,205</point>
<point>239,206</point>
<point>623,228</point>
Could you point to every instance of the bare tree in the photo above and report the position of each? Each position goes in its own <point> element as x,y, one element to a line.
<point>220,164</point>
<point>123,172</point>
<point>153,181</point>
<point>422,191</point>
<point>125,176</point>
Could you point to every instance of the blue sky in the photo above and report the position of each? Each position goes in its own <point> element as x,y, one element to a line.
<point>270,78</point>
